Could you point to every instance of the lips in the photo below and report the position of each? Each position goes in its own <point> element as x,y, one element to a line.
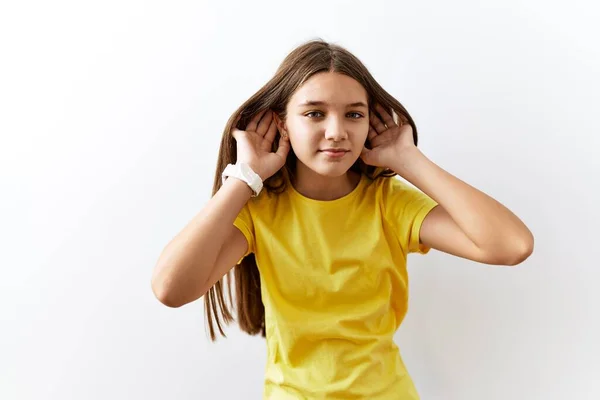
<point>334,153</point>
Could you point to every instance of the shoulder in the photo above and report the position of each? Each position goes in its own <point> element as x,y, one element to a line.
<point>399,197</point>
<point>266,204</point>
<point>388,188</point>
<point>395,188</point>
<point>392,185</point>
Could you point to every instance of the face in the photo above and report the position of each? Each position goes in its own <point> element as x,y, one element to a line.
<point>327,123</point>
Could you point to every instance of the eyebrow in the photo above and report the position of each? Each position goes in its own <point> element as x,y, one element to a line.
<point>322,103</point>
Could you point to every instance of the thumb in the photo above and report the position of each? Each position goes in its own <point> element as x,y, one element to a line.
<point>284,147</point>
<point>365,154</point>
<point>369,156</point>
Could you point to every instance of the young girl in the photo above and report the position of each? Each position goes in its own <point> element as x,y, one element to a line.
<point>317,229</point>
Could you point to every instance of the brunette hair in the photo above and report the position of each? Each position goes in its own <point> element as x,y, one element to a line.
<point>299,65</point>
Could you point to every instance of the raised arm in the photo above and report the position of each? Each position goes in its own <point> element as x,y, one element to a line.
<point>210,245</point>
<point>467,222</point>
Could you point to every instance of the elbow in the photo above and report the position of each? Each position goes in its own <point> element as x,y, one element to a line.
<point>174,293</point>
<point>521,251</point>
<point>510,254</point>
<point>164,293</point>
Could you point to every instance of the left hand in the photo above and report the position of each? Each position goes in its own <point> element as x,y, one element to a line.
<point>388,139</point>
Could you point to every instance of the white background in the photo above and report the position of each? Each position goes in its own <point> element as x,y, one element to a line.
<point>111,116</point>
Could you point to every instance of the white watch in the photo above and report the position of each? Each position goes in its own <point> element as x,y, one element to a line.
<point>243,172</point>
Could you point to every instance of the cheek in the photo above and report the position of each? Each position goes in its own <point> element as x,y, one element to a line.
<point>304,136</point>
<point>304,142</point>
<point>361,135</point>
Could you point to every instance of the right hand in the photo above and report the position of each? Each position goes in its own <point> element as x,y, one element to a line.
<point>255,143</point>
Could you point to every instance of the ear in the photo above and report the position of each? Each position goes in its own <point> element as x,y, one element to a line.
<point>280,125</point>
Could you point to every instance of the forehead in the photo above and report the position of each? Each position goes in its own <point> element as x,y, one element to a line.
<point>330,87</point>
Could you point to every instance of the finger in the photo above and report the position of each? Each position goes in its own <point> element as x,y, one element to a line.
<point>272,131</point>
<point>234,127</point>
<point>254,122</point>
<point>265,123</point>
<point>388,120</point>
<point>365,154</point>
<point>377,124</point>
<point>284,147</point>
<point>379,139</point>
<point>372,133</point>
<point>375,142</point>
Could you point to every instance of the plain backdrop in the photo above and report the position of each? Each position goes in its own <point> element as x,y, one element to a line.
<point>111,115</point>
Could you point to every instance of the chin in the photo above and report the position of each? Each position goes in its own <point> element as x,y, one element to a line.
<point>331,170</point>
<point>328,167</point>
<point>333,173</point>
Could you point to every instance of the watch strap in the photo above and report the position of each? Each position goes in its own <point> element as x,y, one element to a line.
<point>244,172</point>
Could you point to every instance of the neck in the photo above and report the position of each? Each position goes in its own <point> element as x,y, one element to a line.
<point>319,187</point>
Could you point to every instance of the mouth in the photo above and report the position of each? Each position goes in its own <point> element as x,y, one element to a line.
<point>334,153</point>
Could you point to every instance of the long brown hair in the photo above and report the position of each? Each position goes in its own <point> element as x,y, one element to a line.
<point>299,65</point>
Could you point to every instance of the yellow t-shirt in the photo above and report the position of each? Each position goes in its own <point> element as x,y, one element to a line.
<point>335,288</point>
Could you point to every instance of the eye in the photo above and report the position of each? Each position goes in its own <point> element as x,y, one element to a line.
<point>354,115</point>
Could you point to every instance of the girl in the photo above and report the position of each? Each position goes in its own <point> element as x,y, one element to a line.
<point>306,211</point>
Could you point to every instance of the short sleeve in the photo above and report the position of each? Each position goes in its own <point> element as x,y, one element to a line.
<point>244,223</point>
<point>405,209</point>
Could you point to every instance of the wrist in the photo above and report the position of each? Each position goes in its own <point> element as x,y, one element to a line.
<point>406,163</point>
<point>257,171</point>
<point>245,173</point>
<point>240,187</point>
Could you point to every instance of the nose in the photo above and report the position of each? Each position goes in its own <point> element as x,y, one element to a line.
<point>335,131</point>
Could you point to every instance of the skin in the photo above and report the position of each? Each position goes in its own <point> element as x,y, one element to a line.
<point>467,222</point>
<point>337,124</point>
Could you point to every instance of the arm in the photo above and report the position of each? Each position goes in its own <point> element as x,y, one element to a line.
<point>205,250</point>
<point>210,245</point>
<point>467,222</point>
